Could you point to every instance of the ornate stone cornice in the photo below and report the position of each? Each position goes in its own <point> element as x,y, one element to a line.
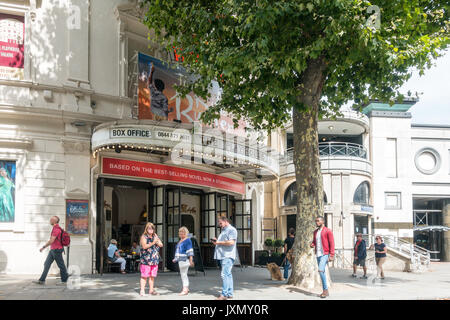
<point>15,143</point>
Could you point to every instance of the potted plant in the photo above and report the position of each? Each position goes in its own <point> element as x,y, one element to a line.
<point>269,244</point>
<point>263,258</point>
<point>278,243</point>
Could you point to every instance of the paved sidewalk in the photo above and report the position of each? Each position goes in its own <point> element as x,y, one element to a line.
<point>251,283</point>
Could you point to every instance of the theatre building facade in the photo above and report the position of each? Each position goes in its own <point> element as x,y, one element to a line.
<point>84,137</point>
<point>93,131</point>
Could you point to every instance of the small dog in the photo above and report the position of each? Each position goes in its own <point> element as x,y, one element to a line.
<point>275,272</point>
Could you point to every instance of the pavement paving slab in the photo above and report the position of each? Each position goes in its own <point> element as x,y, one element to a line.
<point>250,283</point>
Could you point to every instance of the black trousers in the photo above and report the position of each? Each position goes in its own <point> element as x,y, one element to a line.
<point>55,255</point>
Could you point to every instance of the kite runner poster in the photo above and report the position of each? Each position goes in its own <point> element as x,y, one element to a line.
<point>158,99</point>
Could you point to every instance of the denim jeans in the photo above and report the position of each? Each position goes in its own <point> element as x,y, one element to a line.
<point>322,262</point>
<point>227,277</point>
<point>286,269</point>
<point>55,255</point>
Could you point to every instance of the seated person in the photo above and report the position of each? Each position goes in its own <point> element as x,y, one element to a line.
<point>136,248</point>
<point>114,256</point>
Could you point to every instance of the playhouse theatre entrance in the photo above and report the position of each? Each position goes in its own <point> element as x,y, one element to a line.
<point>128,205</point>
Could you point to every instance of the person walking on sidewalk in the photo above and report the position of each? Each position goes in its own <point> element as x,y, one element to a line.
<point>225,253</point>
<point>360,254</point>
<point>380,255</point>
<point>55,254</point>
<point>184,255</point>
<point>323,242</point>
<point>288,243</point>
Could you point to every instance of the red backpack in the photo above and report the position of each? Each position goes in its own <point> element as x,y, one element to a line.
<point>65,238</point>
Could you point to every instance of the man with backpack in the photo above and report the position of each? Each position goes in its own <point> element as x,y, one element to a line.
<point>58,238</point>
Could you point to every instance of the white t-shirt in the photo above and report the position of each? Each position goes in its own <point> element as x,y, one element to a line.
<point>319,248</point>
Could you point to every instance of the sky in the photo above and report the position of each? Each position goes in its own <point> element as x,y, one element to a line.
<point>433,106</point>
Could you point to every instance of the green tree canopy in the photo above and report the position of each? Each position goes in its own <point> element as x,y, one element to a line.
<point>297,60</point>
<point>258,50</point>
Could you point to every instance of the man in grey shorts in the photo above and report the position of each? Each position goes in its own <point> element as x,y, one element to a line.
<point>360,255</point>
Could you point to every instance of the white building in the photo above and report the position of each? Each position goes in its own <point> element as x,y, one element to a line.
<point>72,85</point>
<point>382,175</point>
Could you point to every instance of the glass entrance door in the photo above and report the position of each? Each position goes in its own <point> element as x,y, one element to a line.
<point>173,196</point>
<point>208,231</point>
<point>242,220</point>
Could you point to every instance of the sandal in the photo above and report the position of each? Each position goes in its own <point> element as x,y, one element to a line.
<point>142,293</point>
<point>184,293</point>
<point>154,293</point>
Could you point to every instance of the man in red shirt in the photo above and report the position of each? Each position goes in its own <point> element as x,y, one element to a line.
<point>55,254</point>
<point>323,242</point>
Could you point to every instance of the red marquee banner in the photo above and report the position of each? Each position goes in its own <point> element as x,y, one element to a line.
<point>155,171</point>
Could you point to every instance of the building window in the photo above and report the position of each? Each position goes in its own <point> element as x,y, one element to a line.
<point>289,141</point>
<point>393,200</point>
<point>290,195</point>
<point>361,195</point>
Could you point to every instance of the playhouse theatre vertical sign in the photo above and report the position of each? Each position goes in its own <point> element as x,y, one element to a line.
<point>12,34</point>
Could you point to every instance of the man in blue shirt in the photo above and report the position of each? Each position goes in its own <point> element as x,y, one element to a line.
<point>114,256</point>
<point>225,253</point>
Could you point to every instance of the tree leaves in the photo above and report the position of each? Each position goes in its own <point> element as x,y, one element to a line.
<point>258,50</point>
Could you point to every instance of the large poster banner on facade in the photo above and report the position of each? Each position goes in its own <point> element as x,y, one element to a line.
<point>77,217</point>
<point>169,173</point>
<point>7,190</point>
<point>158,99</point>
<point>12,34</point>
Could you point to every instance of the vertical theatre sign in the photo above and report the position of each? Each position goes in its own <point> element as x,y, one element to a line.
<point>12,34</point>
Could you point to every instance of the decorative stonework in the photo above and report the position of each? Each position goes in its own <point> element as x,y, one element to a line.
<point>134,9</point>
<point>77,194</point>
<point>75,146</point>
<point>427,161</point>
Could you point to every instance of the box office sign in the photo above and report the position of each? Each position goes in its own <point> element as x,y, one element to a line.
<point>170,173</point>
<point>147,134</point>
<point>77,217</point>
<point>130,133</point>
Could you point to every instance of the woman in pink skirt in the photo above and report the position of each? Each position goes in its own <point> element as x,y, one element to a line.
<point>150,245</point>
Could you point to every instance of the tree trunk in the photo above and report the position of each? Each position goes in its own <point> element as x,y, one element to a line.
<point>308,176</point>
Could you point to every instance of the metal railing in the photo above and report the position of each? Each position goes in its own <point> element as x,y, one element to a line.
<point>327,149</point>
<point>342,149</point>
<point>419,257</point>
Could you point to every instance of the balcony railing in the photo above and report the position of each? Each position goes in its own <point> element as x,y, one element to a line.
<point>327,149</point>
<point>342,149</point>
<point>334,157</point>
